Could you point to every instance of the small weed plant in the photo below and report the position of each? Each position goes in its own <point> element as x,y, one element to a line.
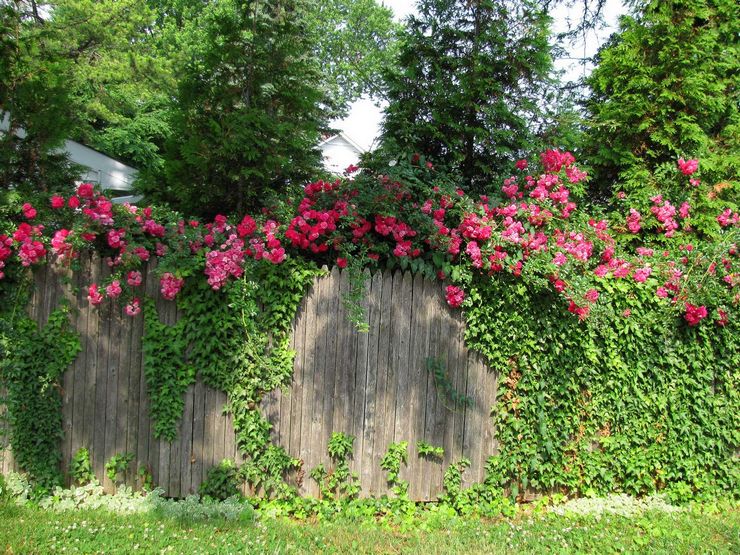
<point>117,466</point>
<point>81,468</point>
<point>222,482</point>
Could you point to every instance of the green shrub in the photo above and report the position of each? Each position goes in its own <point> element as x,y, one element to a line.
<point>222,481</point>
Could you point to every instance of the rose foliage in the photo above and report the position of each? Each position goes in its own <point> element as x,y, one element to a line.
<point>534,232</point>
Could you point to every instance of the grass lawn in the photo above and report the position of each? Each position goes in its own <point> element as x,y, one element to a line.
<point>32,530</point>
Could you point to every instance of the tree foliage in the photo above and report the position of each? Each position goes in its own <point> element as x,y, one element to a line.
<point>249,108</point>
<point>33,97</point>
<point>141,80</point>
<point>666,86</point>
<point>356,42</point>
<point>469,81</point>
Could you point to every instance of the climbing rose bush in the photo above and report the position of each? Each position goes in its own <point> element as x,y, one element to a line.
<point>532,231</point>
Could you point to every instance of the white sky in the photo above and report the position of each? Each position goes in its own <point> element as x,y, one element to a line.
<point>363,122</point>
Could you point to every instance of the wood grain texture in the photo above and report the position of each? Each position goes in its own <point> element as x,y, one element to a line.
<point>374,385</point>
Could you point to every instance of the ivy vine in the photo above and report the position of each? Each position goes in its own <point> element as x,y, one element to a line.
<point>237,340</point>
<point>34,360</point>
<point>166,370</point>
<point>625,401</point>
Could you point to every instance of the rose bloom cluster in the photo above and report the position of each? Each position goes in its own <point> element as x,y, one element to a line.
<point>532,228</point>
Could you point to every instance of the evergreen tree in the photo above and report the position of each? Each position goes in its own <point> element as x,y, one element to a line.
<point>470,85</point>
<point>248,112</point>
<point>34,102</point>
<point>666,86</point>
<point>75,69</point>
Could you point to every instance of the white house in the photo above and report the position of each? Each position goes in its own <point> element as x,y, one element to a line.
<point>113,176</point>
<point>340,151</point>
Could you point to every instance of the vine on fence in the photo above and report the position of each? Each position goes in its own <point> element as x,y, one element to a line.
<point>621,403</point>
<point>634,390</point>
<point>396,455</point>
<point>338,482</point>
<point>450,397</point>
<point>31,367</point>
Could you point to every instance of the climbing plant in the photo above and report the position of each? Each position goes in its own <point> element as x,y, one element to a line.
<point>615,336</point>
<point>34,359</point>
<point>237,340</point>
<point>626,402</point>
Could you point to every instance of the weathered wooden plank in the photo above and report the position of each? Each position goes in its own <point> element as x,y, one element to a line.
<point>400,354</point>
<point>209,454</point>
<point>317,448</point>
<point>431,485</point>
<point>430,467</point>
<point>219,452</point>
<point>79,368</point>
<point>385,418</point>
<point>143,431</point>
<point>369,463</point>
<point>488,443</point>
<point>417,354</point>
<point>39,296</point>
<point>458,377</point>
<point>53,293</point>
<point>473,420</point>
<point>230,439</point>
<point>68,379</point>
<point>414,412</point>
<point>7,462</point>
<point>135,369</point>
<point>46,293</point>
<point>332,364</point>
<point>365,386</point>
<point>102,339</point>
<point>90,274</point>
<point>111,380</point>
<point>443,415</point>
<point>296,390</point>
<point>197,453</point>
<point>342,337</point>
<point>334,333</point>
<point>185,440</point>
<point>359,383</point>
<point>308,395</point>
<point>152,444</point>
<point>4,432</point>
<point>179,448</point>
<point>35,296</point>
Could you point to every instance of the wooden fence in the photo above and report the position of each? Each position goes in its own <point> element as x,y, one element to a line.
<point>375,386</point>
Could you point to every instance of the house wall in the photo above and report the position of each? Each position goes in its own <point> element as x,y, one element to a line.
<point>104,170</point>
<point>338,154</point>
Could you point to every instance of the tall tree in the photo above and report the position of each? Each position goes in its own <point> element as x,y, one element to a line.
<point>356,42</point>
<point>249,108</point>
<point>666,86</point>
<point>34,101</point>
<point>83,70</point>
<point>469,85</point>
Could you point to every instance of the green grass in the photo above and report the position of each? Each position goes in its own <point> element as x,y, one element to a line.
<point>32,530</point>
